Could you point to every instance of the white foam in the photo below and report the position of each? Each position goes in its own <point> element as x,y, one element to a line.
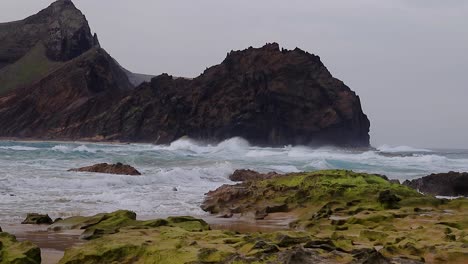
<point>403,149</point>
<point>19,148</point>
<point>61,148</point>
<point>40,182</point>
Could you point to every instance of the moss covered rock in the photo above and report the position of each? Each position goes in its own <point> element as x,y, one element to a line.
<point>351,209</point>
<point>341,217</point>
<point>111,223</point>
<point>12,251</point>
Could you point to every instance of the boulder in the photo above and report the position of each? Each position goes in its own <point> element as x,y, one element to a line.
<point>118,168</point>
<point>443,184</point>
<point>13,251</point>
<point>37,219</point>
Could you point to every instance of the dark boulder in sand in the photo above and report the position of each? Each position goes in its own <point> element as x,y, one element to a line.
<point>250,175</point>
<point>118,168</point>
<point>37,219</point>
<point>444,184</point>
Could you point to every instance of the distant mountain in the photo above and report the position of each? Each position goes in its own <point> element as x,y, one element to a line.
<point>33,47</point>
<point>56,82</point>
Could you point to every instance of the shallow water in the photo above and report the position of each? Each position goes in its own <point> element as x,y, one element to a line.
<point>34,177</point>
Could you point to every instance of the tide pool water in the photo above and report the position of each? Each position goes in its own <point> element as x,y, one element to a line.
<point>34,176</point>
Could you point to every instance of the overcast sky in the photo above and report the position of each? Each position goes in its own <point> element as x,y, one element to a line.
<point>407,59</point>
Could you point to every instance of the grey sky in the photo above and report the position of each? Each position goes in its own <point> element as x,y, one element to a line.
<point>407,59</point>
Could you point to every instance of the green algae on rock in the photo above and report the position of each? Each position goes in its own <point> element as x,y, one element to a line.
<point>356,209</point>
<point>174,245</point>
<point>111,223</point>
<point>341,217</point>
<point>12,251</point>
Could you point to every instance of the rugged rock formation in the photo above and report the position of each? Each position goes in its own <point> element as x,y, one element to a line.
<point>61,105</point>
<point>444,184</point>
<point>342,216</point>
<point>265,95</point>
<point>354,210</point>
<point>61,27</point>
<point>119,238</point>
<point>118,168</point>
<point>36,46</point>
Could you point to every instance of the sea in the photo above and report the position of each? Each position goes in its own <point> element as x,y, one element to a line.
<point>34,176</point>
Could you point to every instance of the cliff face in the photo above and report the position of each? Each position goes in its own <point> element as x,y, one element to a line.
<point>61,27</point>
<point>58,105</point>
<point>53,75</point>
<point>267,96</point>
<point>57,83</point>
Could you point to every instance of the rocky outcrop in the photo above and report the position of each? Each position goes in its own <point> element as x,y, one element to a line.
<point>67,103</point>
<point>269,96</point>
<point>13,251</point>
<point>443,184</point>
<point>37,219</point>
<point>61,27</point>
<point>250,175</point>
<point>118,168</point>
<point>266,95</point>
<point>119,238</point>
<point>343,217</point>
<point>347,209</point>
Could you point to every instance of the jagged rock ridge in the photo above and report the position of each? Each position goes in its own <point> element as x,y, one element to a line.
<point>61,27</point>
<point>265,95</point>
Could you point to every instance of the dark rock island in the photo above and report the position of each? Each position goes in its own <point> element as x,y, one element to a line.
<point>56,82</point>
<point>117,168</point>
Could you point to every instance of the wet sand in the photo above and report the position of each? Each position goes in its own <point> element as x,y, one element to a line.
<point>54,244</point>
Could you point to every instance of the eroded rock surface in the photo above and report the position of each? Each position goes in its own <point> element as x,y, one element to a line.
<point>178,240</point>
<point>354,210</point>
<point>118,168</point>
<point>443,184</point>
<point>12,251</point>
<point>265,95</point>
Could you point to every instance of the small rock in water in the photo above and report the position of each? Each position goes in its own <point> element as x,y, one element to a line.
<point>37,219</point>
<point>118,168</point>
<point>175,189</point>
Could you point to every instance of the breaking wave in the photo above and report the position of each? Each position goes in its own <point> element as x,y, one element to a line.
<point>34,176</point>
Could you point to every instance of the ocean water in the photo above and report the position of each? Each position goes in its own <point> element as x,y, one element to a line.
<point>34,177</point>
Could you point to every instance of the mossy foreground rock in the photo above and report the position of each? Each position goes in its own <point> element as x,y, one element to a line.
<point>111,223</point>
<point>174,245</point>
<point>356,209</point>
<point>342,217</point>
<point>12,251</point>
